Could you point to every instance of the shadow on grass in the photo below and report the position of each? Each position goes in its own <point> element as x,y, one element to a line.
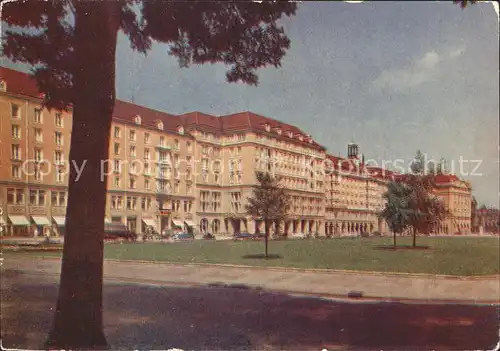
<point>263,256</point>
<point>402,247</point>
<point>218,318</point>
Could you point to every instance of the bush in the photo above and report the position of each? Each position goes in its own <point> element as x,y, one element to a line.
<point>377,233</point>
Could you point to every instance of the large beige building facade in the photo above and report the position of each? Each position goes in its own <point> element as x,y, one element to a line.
<point>190,172</point>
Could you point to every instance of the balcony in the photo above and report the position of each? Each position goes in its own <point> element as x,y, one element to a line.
<point>163,147</point>
<point>165,162</point>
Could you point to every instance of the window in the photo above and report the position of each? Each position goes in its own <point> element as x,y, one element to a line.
<point>189,146</point>
<point>147,154</point>
<point>176,187</point>
<point>132,151</point>
<point>147,184</point>
<point>38,135</point>
<point>59,138</point>
<point>137,119</point>
<point>58,158</point>
<point>116,166</point>
<point>132,135</point>
<point>16,132</point>
<point>147,138</point>
<point>19,196</point>
<point>38,115</point>
<point>38,155</point>
<point>33,197</point>
<point>147,169</point>
<point>16,171</point>
<point>131,202</point>
<point>189,188</point>
<point>117,181</point>
<point>53,198</point>
<point>16,152</point>
<point>38,174</point>
<point>15,111</point>
<point>11,196</point>
<point>162,141</point>
<point>59,175</point>
<point>132,183</point>
<point>59,119</point>
<point>160,125</point>
<point>41,197</point>
<point>62,198</point>
<point>177,145</point>
<point>117,148</point>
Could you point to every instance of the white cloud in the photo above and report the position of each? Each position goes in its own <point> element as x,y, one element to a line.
<point>422,70</point>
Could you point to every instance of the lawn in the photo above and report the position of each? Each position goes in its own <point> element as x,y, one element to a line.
<point>463,256</point>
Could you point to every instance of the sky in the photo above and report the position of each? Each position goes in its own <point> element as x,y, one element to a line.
<point>393,77</point>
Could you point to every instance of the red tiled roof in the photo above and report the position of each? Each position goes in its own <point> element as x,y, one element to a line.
<point>201,119</point>
<point>445,178</point>
<point>19,82</point>
<point>127,111</point>
<point>250,120</point>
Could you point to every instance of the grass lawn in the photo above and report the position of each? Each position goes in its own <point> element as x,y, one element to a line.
<point>451,256</point>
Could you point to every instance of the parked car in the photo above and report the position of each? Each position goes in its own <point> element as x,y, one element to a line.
<point>298,235</point>
<point>183,236</point>
<point>243,236</point>
<point>118,231</point>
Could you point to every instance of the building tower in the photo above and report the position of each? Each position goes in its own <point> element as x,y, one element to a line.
<point>352,151</point>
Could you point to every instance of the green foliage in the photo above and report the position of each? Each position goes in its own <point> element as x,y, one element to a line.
<point>269,200</point>
<point>396,212</point>
<point>411,204</point>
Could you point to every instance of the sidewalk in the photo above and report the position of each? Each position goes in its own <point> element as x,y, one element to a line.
<point>327,284</point>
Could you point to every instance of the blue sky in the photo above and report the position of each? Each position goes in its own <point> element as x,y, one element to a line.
<point>393,76</point>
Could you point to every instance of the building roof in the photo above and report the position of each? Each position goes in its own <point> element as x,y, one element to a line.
<point>199,119</point>
<point>127,111</point>
<point>19,82</point>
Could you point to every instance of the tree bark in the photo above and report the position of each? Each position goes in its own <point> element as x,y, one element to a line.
<point>414,237</point>
<point>78,322</point>
<point>394,238</point>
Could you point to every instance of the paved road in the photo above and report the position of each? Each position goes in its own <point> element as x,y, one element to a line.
<point>143,317</point>
<point>327,284</point>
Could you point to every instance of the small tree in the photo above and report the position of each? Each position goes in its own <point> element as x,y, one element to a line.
<point>425,210</point>
<point>396,212</point>
<point>268,202</point>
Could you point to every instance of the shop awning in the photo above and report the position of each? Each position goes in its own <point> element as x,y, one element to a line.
<point>189,223</point>
<point>149,222</point>
<point>177,222</point>
<point>60,221</point>
<point>19,220</point>
<point>40,220</point>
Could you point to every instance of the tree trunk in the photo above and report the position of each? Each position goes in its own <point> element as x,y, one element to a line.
<point>414,237</point>
<point>78,317</point>
<point>394,238</point>
<point>266,225</point>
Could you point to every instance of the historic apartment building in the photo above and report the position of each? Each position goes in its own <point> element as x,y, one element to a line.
<point>189,172</point>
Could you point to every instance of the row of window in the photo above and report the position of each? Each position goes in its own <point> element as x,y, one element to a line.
<point>147,139</point>
<point>37,173</point>
<point>37,115</point>
<point>119,202</point>
<point>37,197</point>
